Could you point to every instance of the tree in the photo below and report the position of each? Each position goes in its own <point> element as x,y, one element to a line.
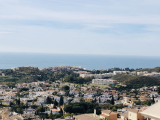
<point>149,103</point>
<point>106,118</point>
<point>114,109</point>
<point>65,88</point>
<point>18,101</point>
<point>11,103</point>
<point>119,97</point>
<point>49,100</point>
<point>68,108</point>
<point>54,107</point>
<point>67,92</point>
<point>138,102</point>
<point>40,109</point>
<point>112,100</point>
<point>51,116</point>
<point>81,99</point>
<point>19,110</point>
<point>153,99</point>
<point>54,93</point>
<point>67,114</point>
<point>61,112</point>
<point>55,103</point>
<point>99,92</point>
<point>82,107</point>
<point>99,100</point>
<point>158,90</point>
<point>61,100</point>
<point>98,110</point>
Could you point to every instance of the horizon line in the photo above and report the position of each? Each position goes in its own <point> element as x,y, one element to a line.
<point>78,54</point>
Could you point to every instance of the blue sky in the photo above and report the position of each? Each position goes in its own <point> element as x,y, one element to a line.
<point>112,27</point>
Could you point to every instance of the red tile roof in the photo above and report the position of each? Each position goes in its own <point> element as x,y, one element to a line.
<point>103,115</point>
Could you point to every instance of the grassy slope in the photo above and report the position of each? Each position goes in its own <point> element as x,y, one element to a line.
<point>156,69</point>
<point>101,86</point>
<point>137,81</point>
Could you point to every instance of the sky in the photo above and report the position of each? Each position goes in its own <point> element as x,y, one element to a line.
<point>111,27</point>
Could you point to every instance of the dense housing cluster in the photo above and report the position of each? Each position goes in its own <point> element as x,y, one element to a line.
<point>69,93</point>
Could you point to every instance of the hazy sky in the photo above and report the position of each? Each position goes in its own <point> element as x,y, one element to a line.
<point>114,27</point>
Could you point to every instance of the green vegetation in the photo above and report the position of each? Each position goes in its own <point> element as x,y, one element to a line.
<point>30,74</point>
<point>148,102</point>
<point>112,107</point>
<point>65,88</point>
<point>74,78</point>
<point>23,74</point>
<point>8,79</point>
<point>158,90</point>
<point>22,95</point>
<point>27,75</point>
<point>101,86</point>
<point>61,100</point>
<point>112,100</point>
<point>18,106</point>
<point>82,107</point>
<point>111,70</point>
<point>137,81</point>
<point>156,69</point>
<point>49,100</point>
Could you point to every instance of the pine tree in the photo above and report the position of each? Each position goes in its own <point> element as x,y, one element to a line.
<point>61,100</point>
<point>42,109</point>
<point>158,90</point>
<point>49,100</point>
<point>18,101</point>
<point>112,100</point>
<point>95,100</point>
<point>55,102</point>
<point>99,100</point>
<point>153,99</point>
<point>61,112</point>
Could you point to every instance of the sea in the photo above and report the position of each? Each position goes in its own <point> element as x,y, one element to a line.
<point>90,62</point>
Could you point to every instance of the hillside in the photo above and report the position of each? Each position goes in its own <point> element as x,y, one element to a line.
<point>31,74</point>
<point>25,74</point>
<point>137,81</point>
<point>156,69</point>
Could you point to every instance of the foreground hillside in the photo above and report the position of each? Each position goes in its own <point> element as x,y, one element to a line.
<point>137,81</point>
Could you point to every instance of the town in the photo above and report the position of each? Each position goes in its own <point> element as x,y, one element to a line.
<point>76,93</point>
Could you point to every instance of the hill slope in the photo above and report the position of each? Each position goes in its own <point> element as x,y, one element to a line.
<point>156,69</point>
<point>137,81</point>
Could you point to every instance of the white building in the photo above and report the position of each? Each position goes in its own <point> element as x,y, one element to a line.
<point>19,85</point>
<point>142,72</point>
<point>41,100</point>
<point>152,113</point>
<point>153,74</point>
<point>3,74</point>
<point>97,76</point>
<point>103,81</point>
<point>57,98</point>
<point>120,72</point>
<point>29,111</point>
<point>2,91</point>
<point>1,97</point>
<point>33,95</point>
<point>61,93</point>
<point>54,111</point>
